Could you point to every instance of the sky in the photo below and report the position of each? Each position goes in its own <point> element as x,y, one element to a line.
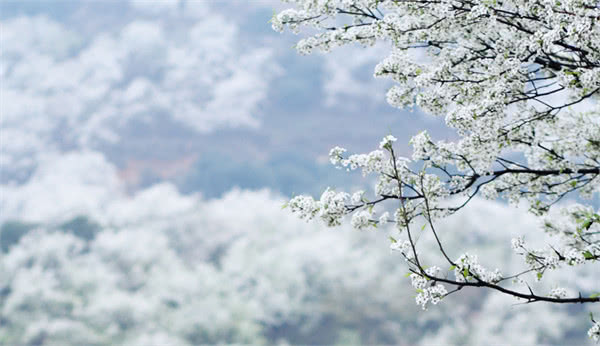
<point>146,149</point>
<point>182,91</point>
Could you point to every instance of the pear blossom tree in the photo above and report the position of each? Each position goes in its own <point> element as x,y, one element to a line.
<point>518,80</point>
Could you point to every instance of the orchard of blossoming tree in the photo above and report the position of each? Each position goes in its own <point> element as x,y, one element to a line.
<point>519,82</point>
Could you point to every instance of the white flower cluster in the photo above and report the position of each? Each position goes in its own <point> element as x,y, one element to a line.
<point>550,258</point>
<point>468,267</point>
<point>373,162</point>
<point>404,247</point>
<point>574,257</point>
<point>427,293</point>
<point>305,206</point>
<point>361,219</point>
<point>517,243</point>
<point>558,292</point>
<point>387,142</point>
<point>580,220</point>
<point>432,294</point>
<point>594,332</point>
<point>395,180</point>
<point>336,155</point>
<point>333,206</point>
<point>384,218</point>
<point>357,197</point>
<point>290,17</point>
<point>418,281</point>
<point>330,208</point>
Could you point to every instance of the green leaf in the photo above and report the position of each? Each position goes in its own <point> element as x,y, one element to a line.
<point>539,276</point>
<point>422,228</point>
<point>588,255</point>
<point>407,274</point>
<point>452,267</point>
<point>285,205</point>
<point>595,295</point>
<point>466,272</point>
<point>393,240</point>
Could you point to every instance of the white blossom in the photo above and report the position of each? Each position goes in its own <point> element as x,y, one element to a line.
<point>558,292</point>
<point>383,218</point>
<point>336,155</point>
<point>432,294</point>
<point>332,206</point>
<point>357,197</point>
<point>517,243</point>
<point>387,141</point>
<point>594,332</point>
<point>306,206</point>
<point>361,220</point>
<point>467,266</point>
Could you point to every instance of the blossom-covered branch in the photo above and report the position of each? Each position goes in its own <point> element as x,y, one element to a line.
<point>519,83</point>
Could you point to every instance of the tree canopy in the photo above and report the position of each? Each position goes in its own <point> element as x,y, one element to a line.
<point>519,82</point>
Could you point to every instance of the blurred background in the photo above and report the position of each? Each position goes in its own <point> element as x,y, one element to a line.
<point>146,150</point>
